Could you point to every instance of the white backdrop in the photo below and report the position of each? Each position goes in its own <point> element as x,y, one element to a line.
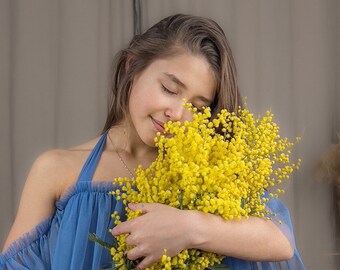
<point>54,68</point>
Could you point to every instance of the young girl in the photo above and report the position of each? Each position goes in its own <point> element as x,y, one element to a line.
<point>66,193</point>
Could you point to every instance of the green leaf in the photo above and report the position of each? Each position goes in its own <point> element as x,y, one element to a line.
<point>94,238</point>
<point>118,267</point>
<point>114,268</point>
<point>129,264</point>
<point>180,199</point>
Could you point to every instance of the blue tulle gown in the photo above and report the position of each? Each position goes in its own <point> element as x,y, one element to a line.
<point>61,241</point>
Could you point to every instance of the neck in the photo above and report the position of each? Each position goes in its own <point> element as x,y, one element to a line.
<point>124,138</point>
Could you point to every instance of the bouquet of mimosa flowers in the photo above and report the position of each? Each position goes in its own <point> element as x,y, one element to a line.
<point>229,166</point>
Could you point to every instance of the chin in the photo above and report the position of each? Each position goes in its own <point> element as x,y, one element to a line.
<point>150,143</point>
<point>149,140</point>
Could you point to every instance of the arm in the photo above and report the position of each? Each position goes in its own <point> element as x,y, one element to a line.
<point>254,239</point>
<point>39,195</point>
<point>166,227</point>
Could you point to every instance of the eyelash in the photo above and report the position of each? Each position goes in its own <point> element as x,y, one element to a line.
<point>173,93</point>
<point>167,90</point>
<point>199,109</point>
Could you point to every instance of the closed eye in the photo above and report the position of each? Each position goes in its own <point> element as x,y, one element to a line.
<point>168,91</point>
<point>199,109</point>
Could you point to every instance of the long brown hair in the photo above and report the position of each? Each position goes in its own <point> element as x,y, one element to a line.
<point>169,37</point>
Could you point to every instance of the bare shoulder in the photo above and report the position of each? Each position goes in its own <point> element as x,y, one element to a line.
<point>50,170</point>
<point>56,170</point>
<point>41,190</point>
<point>51,173</point>
<point>60,168</point>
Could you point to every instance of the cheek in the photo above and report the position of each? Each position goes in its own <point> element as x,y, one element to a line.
<point>141,102</point>
<point>187,116</point>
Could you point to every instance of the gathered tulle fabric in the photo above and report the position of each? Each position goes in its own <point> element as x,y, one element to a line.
<point>61,241</point>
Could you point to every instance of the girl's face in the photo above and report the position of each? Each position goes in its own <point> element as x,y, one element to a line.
<point>157,93</point>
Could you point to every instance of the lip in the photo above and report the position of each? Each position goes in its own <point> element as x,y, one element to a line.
<point>158,125</point>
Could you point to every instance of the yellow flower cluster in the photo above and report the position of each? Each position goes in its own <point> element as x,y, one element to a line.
<point>222,166</point>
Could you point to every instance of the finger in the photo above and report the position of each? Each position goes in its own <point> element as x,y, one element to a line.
<point>145,207</point>
<point>146,262</point>
<point>130,240</point>
<point>134,254</point>
<point>139,206</point>
<point>122,228</point>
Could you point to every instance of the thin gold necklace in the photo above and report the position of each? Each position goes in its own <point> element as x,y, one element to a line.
<point>120,158</point>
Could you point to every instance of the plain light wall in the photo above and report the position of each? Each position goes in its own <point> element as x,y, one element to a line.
<point>55,58</point>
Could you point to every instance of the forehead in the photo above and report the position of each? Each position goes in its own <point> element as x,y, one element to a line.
<point>190,71</point>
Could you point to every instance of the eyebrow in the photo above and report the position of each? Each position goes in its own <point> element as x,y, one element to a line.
<point>177,81</point>
<point>173,78</point>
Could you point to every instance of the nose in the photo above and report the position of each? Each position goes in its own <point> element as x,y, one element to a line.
<point>177,112</point>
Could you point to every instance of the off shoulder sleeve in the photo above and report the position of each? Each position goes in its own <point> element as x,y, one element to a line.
<point>283,221</point>
<point>30,251</point>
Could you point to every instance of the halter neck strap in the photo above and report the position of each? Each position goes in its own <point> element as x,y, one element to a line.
<point>91,163</point>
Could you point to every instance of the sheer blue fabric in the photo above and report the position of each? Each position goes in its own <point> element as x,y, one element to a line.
<point>61,241</point>
<point>295,263</point>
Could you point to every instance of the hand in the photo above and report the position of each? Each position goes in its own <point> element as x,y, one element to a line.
<point>160,227</point>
